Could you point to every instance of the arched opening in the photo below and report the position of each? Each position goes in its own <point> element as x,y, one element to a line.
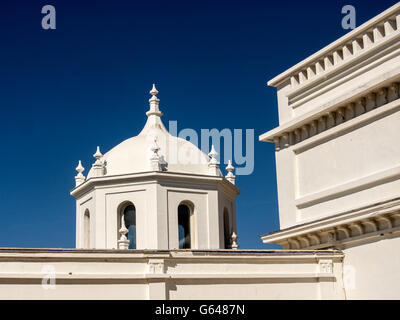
<point>86,229</point>
<point>127,216</point>
<point>130,224</point>
<point>227,230</point>
<point>185,226</point>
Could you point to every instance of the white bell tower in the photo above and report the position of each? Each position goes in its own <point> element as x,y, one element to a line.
<point>155,191</point>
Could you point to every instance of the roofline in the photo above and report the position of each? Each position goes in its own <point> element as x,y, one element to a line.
<point>375,209</point>
<point>153,175</point>
<point>329,48</point>
<point>333,104</point>
<point>169,253</point>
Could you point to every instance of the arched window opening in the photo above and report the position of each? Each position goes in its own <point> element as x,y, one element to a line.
<point>184,227</point>
<point>227,230</point>
<point>86,229</point>
<point>129,219</point>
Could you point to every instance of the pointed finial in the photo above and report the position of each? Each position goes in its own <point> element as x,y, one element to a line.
<point>154,91</point>
<point>230,176</point>
<point>80,168</point>
<point>98,166</point>
<point>213,154</point>
<point>79,178</point>
<point>154,102</point>
<point>98,154</point>
<point>213,164</point>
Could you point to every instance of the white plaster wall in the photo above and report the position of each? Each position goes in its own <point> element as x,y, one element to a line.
<point>345,157</point>
<point>352,169</point>
<point>371,270</point>
<point>82,290</point>
<point>348,201</point>
<point>366,149</point>
<point>156,204</point>
<point>244,290</point>
<point>180,274</point>
<point>343,168</point>
<point>86,202</point>
<point>226,201</point>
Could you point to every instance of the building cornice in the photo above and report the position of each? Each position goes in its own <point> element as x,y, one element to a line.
<point>337,114</point>
<point>375,220</point>
<point>153,176</point>
<point>347,49</point>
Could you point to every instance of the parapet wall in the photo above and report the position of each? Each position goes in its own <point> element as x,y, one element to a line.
<point>176,274</point>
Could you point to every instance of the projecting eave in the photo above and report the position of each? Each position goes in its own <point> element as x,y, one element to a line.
<point>332,105</point>
<point>381,216</point>
<point>359,32</point>
<point>180,178</point>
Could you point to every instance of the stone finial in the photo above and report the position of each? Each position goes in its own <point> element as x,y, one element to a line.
<point>154,103</point>
<point>234,244</point>
<point>123,242</point>
<point>213,164</point>
<point>213,155</point>
<point>154,91</point>
<point>98,154</point>
<point>79,178</point>
<point>230,176</point>
<point>98,166</point>
<point>155,159</point>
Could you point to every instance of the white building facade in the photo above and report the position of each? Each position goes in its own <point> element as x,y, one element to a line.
<point>156,219</point>
<point>337,154</point>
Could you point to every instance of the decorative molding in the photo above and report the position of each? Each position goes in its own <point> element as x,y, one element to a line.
<point>325,266</point>
<point>370,36</point>
<point>179,179</point>
<point>376,98</point>
<point>347,187</point>
<point>156,266</point>
<point>367,222</point>
<point>335,237</point>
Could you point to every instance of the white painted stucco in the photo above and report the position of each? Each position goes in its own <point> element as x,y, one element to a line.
<point>338,175</point>
<point>174,274</point>
<point>337,155</point>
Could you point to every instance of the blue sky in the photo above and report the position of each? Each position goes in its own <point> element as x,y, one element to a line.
<point>65,91</point>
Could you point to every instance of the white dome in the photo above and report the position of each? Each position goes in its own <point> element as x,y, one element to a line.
<point>133,155</point>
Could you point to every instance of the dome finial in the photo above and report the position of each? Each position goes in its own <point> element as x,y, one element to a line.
<point>80,168</point>
<point>213,164</point>
<point>154,102</point>
<point>98,166</point>
<point>154,91</point>
<point>230,176</point>
<point>79,178</point>
<point>154,114</point>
